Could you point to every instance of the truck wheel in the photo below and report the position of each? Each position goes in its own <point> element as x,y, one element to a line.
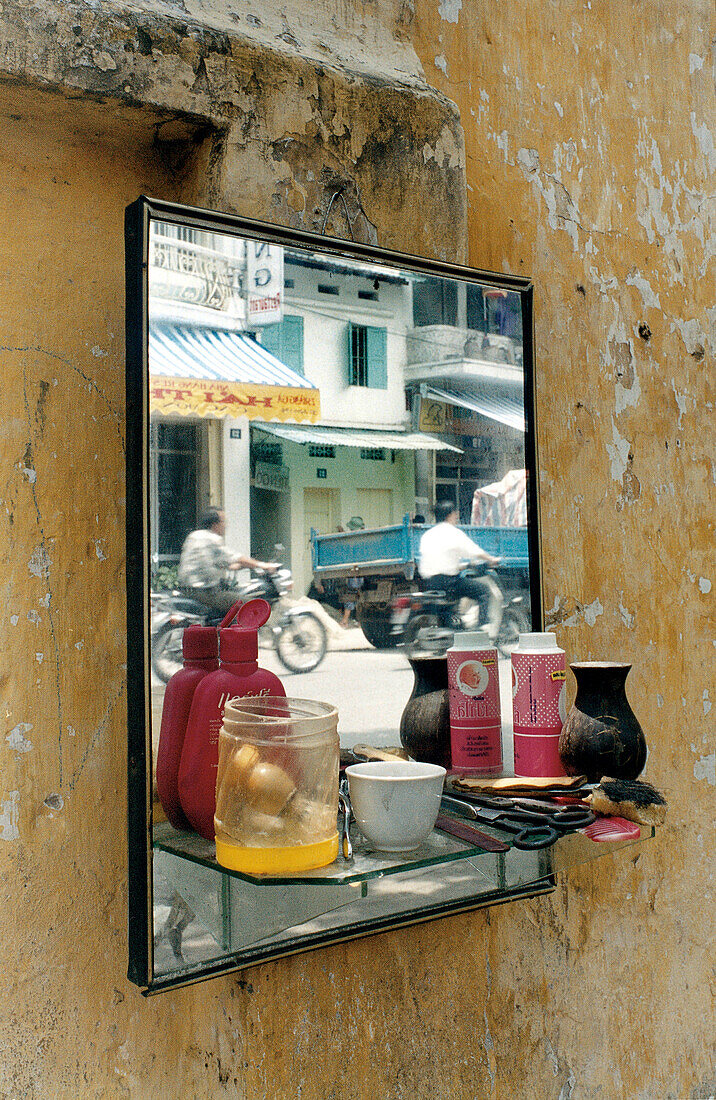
<point>376,627</point>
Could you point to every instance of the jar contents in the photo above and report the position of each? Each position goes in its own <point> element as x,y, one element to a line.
<point>277,785</point>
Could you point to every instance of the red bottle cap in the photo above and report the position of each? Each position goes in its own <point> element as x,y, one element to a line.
<point>241,643</point>
<point>200,643</point>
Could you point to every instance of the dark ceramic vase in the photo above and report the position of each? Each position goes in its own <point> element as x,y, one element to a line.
<point>601,735</point>
<point>425,722</point>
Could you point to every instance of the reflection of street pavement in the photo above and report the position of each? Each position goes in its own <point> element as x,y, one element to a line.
<point>338,636</point>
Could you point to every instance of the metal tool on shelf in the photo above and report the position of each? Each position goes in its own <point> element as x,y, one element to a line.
<point>344,806</point>
<point>530,831</point>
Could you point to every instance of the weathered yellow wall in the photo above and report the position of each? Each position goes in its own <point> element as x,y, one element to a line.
<point>590,135</point>
<point>590,160</point>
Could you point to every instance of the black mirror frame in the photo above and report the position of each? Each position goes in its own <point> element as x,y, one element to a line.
<point>139,771</point>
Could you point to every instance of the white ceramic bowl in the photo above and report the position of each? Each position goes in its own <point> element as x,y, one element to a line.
<point>395,803</point>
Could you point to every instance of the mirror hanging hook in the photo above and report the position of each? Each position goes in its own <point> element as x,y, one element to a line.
<point>338,193</point>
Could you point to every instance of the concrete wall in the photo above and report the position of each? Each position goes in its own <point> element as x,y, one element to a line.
<point>590,159</point>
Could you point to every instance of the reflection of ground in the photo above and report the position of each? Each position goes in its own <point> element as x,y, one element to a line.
<point>181,938</point>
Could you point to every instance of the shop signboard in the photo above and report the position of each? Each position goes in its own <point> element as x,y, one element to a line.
<point>274,478</point>
<point>264,283</point>
<point>207,397</point>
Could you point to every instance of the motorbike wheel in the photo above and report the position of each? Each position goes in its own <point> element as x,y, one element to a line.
<point>301,643</point>
<point>412,632</point>
<point>514,623</point>
<point>377,629</point>
<point>167,652</point>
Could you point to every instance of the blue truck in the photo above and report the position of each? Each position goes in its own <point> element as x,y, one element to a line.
<point>372,567</point>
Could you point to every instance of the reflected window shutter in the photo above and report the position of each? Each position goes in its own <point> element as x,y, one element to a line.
<point>349,354</point>
<point>271,339</point>
<point>293,343</point>
<point>284,339</point>
<point>377,354</point>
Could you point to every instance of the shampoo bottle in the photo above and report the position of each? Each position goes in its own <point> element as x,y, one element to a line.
<point>200,650</point>
<point>238,675</point>
<point>539,675</point>
<point>475,718</point>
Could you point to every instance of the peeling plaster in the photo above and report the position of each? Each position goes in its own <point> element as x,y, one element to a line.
<point>449,10</point>
<point>441,63</point>
<point>592,612</point>
<point>692,334</point>
<point>627,617</point>
<point>705,768</point>
<point>648,297</point>
<point>9,817</point>
<point>16,738</point>
<point>704,585</point>
<point>705,141</point>
<point>618,452</point>
<point>40,562</point>
<point>681,400</point>
<point>447,153</point>
<point>706,702</point>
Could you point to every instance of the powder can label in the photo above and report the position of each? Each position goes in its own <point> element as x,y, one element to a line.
<point>475,718</point>
<point>539,692</point>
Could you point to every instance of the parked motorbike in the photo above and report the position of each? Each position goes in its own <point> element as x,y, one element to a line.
<point>421,621</point>
<point>297,635</point>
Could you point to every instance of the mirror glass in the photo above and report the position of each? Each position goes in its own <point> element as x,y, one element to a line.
<point>306,403</point>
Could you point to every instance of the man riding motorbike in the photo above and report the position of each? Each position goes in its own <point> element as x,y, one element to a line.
<point>444,550</point>
<point>205,561</point>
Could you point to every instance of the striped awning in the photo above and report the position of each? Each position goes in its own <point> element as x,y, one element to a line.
<point>197,371</point>
<point>500,406</point>
<point>358,437</point>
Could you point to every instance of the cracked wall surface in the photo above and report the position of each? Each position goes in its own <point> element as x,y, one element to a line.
<point>583,155</point>
<point>589,134</point>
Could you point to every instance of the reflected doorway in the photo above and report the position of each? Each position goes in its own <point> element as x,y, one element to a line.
<point>321,511</point>
<point>375,507</point>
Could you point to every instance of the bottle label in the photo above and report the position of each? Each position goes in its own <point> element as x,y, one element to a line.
<point>475,719</point>
<point>539,692</point>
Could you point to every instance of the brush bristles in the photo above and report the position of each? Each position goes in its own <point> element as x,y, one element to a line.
<point>631,790</point>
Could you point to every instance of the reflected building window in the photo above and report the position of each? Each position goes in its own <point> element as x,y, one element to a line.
<point>367,356</point>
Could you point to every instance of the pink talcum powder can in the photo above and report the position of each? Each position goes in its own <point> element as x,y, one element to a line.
<point>539,688</point>
<point>475,717</point>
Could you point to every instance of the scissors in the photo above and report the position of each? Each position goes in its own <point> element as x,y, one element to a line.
<point>563,818</point>
<point>529,834</point>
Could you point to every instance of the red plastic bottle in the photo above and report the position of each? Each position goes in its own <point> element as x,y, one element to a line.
<point>238,675</point>
<point>200,649</point>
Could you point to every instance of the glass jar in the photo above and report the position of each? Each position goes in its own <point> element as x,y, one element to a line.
<point>277,785</point>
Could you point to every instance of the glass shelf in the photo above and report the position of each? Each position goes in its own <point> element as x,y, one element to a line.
<point>440,848</point>
<point>209,920</point>
<point>366,863</point>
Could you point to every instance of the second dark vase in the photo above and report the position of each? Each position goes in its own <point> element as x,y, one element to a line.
<point>425,722</point>
<point>602,735</point>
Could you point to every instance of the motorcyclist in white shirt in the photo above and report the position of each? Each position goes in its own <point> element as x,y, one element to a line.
<point>444,552</point>
<point>206,561</point>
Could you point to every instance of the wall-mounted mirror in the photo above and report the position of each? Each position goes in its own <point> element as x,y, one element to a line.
<point>306,402</point>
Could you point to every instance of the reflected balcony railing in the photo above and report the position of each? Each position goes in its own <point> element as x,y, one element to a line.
<point>450,350</point>
<point>182,271</point>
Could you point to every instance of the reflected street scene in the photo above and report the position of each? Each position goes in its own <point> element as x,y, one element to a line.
<point>309,413</point>
<point>337,464</point>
